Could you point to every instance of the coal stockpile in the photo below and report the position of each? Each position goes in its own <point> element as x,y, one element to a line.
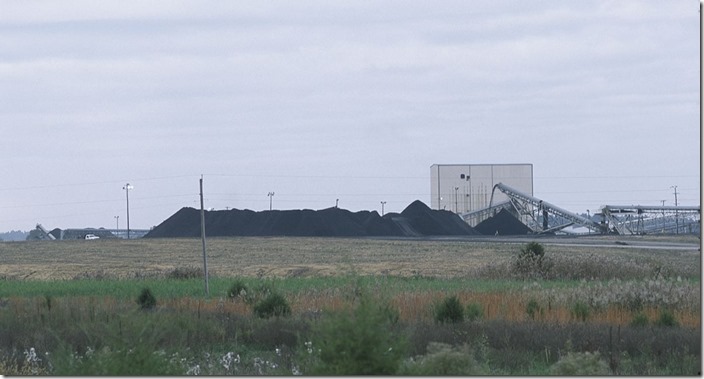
<point>416,220</point>
<point>504,224</point>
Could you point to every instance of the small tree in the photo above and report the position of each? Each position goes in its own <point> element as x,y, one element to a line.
<point>272,305</point>
<point>146,299</point>
<point>361,342</point>
<point>450,310</point>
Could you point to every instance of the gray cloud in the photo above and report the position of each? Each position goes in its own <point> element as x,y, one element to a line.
<point>318,99</point>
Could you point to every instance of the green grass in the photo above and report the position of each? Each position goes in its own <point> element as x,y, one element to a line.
<point>195,288</point>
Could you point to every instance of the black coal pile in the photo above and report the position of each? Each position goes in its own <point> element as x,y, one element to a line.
<point>416,220</point>
<point>504,224</point>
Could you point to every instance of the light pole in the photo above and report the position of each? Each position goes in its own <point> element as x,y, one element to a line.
<point>271,199</point>
<point>117,224</point>
<point>590,218</point>
<point>127,189</point>
<point>456,189</point>
<point>468,195</point>
<point>382,207</point>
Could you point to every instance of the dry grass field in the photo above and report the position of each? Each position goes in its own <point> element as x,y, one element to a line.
<point>597,288</point>
<point>300,257</point>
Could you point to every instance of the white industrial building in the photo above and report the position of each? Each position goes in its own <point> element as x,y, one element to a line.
<point>463,188</point>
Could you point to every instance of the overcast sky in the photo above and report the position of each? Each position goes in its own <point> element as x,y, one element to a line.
<point>351,100</point>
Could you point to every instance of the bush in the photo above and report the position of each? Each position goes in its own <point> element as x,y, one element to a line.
<point>640,319</point>
<point>442,359</point>
<point>581,364</point>
<point>474,311</point>
<point>138,360</point>
<point>580,311</point>
<point>666,318</point>
<point>532,263</point>
<point>533,309</point>
<point>146,300</point>
<point>533,249</point>
<point>361,342</point>
<point>186,273</point>
<point>450,310</point>
<point>272,305</point>
<point>238,290</point>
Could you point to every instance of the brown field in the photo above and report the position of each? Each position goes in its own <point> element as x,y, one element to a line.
<point>294,256</point>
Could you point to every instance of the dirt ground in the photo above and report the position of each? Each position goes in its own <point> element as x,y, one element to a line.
<point>285,256</point>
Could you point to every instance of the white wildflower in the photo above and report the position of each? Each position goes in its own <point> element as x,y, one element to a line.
<point>195,370</point>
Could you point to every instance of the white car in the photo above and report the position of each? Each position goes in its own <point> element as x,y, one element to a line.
<point>91,237</point>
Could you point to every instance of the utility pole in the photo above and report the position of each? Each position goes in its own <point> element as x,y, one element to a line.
<point>202,237</point>
<point>382,207</point>
<point>127,189</point>
<point>677,220</point>
<point>271,202</point>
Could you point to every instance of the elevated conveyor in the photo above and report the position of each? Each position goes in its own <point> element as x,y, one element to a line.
<point>536,212</point>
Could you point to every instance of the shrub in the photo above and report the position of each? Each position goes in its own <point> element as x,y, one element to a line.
<point>581,364</point>
<point>666,318</point>
<point>640,319</point>
<point>238,290</point>
<point>186,273</point>
<point>146,299</point>
<point>272,305</point>
<point>361,342</point>
<point>533,309</point>
<point>580,311</point>
<point>138,360</point>
<point>443,359</point>
<point>474,311</point>
<point>533,249</point>
<point>531,262</point>
<point>450,310</point>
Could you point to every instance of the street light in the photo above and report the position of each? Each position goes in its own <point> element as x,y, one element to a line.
<point>271,197</point>
<point>127,189</point>
<point>382,207</point>
<point>117,224</point>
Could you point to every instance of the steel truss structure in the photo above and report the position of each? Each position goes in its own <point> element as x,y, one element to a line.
<point>637,219</point>
<point>543,217</point>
